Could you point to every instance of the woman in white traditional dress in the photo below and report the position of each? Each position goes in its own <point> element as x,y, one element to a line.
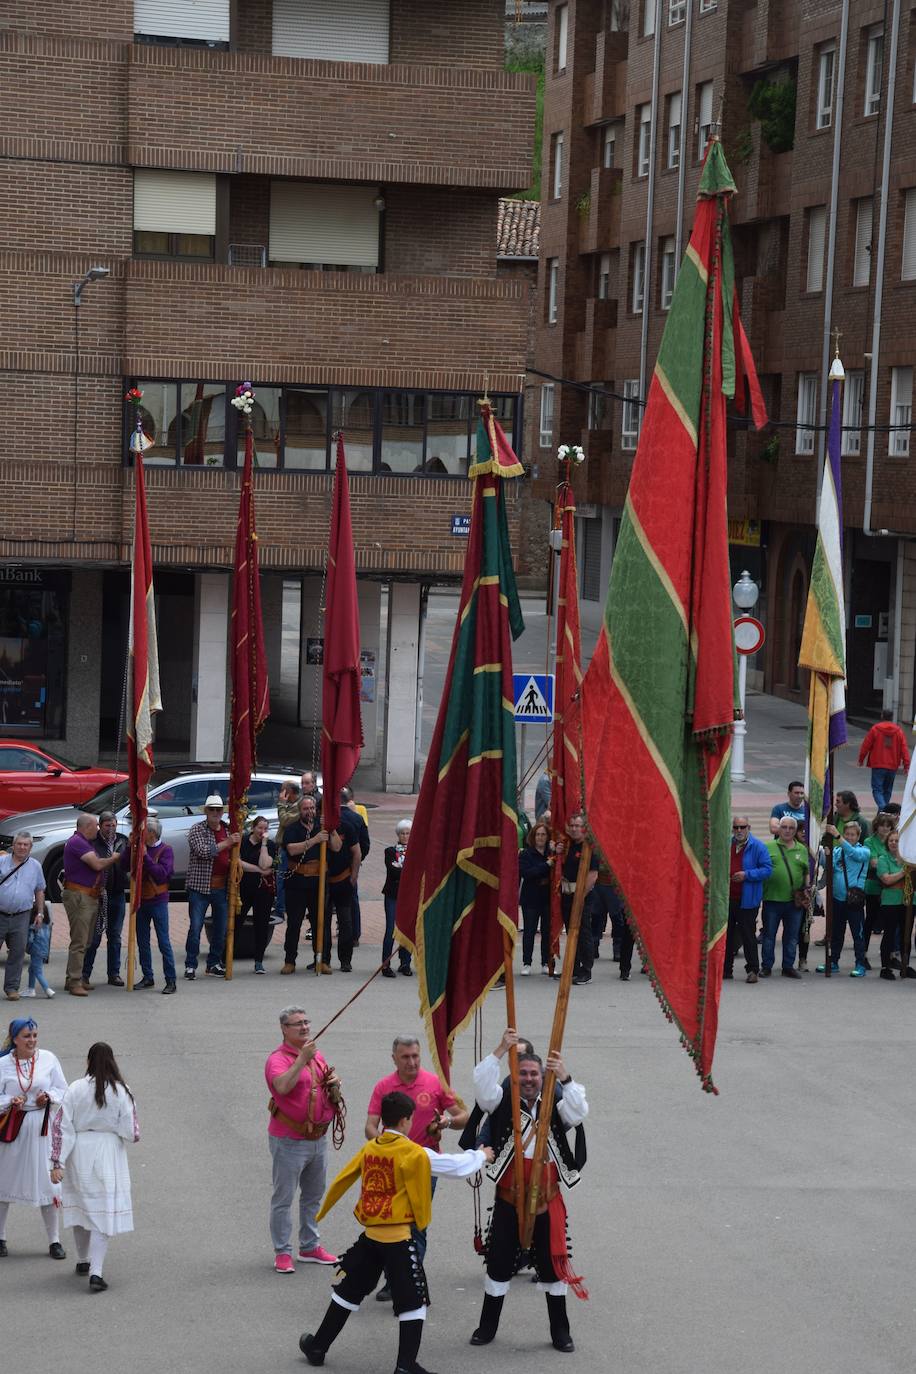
<point>89,1153</point>
<point>32,1083</point>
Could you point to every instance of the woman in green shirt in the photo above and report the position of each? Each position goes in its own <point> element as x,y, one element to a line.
<point>891,873</point>
<point>876,844</point>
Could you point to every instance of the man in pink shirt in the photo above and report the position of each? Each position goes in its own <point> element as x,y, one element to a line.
<point>436,1110</point>
<point>301,1111</point>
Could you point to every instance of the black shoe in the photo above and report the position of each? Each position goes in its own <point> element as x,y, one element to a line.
<point>414,1369</point>
<point>97,1284</point>
<point>169,987</point>
<point>311,966</point>
<point>889,975</point>
<point>482,1336</point>
<point>624,975</point>
<point>895,961</point>
<point>3,1250</point>
<point>82,1267</point>
<point>388,972</point>
<point>190,973</point>
<point>57,1251</point>
<point>791,973</point>
<point>908,972</point>
<point>489,1320</point>
<point>582,980</point>
<point>383,1294</point>
<point>406,971</point>
<point>564,1343</point>
<point>346,968</point>
<point>116,982</point>
<point>310,1350</point>
<point>144,983</point>
<point>766,973</point>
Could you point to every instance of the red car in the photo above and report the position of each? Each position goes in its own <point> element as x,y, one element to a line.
<point>31,780</point>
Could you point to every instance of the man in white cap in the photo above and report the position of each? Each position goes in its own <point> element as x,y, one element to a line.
<point>209,843</point>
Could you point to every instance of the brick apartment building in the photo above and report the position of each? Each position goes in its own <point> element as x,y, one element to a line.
<point>825,237</point>
<point>299,192</point>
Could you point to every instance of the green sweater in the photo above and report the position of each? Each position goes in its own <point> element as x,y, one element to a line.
<point>778,887</point>
<point>878,849</point>
<point>891,896</point>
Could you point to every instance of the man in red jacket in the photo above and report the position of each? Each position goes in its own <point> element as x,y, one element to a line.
<point>884,749</point>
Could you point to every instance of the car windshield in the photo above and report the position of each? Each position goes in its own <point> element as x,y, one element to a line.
<point>109,799</point>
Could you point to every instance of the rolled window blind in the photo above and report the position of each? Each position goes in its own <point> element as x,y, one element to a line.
<point>206,20</point>
<point>332,225</point>
<point>346,31</point>
<point>175,202</point>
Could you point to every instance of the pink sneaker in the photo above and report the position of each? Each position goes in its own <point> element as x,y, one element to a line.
<point>316,1256</point>
<point>284,1264</point>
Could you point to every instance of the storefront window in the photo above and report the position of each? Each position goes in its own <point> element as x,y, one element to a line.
<point>158,415</point>
<point>402,431</point>
<point>33,651</point>
<point>203,425</point>
<point>306,430</point>
<point>265,426</point>
<point>447,434</point>
<point>352,412</point>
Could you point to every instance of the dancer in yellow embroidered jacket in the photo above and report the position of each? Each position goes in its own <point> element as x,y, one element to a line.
<point>395,1193</point>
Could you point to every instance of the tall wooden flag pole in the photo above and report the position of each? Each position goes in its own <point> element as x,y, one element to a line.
<point>248,664</point>
<point>341,718</point>
<point>143,675</point>
<point>823,651</point>
<point>658,699</point>
<point>514,1085</point>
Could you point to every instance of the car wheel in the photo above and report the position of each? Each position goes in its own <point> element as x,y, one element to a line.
<point>54,875</point>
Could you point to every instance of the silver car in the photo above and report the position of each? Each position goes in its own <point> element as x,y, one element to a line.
<point>177,797</point>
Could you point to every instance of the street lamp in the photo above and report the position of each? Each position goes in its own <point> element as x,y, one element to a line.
<point>745,593</point>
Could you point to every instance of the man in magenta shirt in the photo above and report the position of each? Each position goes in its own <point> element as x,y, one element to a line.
<point>436,1110</point>
<point>301,1112</point>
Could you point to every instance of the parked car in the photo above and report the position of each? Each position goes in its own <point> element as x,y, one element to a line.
<point>177,796</point>
<point>31,778</point>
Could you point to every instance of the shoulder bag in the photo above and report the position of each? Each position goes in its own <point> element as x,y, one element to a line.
<point>855,896</point>
<point>800,895</point>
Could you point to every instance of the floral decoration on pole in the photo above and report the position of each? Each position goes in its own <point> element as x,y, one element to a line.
<point>243,400</point>
<point>571,453</point>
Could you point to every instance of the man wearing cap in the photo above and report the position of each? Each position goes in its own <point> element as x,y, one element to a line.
<point>209,845</point>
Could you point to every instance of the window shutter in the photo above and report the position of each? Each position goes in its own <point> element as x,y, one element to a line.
<point>347,31</point>
<point>175,202</point>
<point>205,20</point>
<point>337,225</point>
<point>908,268</point>
<point>861,272</point>
<point>817,222</point>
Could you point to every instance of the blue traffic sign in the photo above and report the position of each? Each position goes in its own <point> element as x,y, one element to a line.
<point>533,693</point>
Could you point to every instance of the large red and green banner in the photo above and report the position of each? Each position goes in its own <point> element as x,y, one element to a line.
<point>658,699</point>
<point>459,888</point>
<point>143,664</point>
<point>566,762</point>
<point>248,660</point>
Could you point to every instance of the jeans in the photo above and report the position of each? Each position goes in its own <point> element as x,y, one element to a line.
<point>391,911</point>
<point>339,897</point>
<point>531,915</point>
<point>357,917</point>
<point>14,930</point>
<point>843,913</point>
<point>157,911</point>
<point>302,1164</point>
<point>198,902</point>
<point>882,785</point>
<point>280,905</point>
<point>301,898</point>
<point>114,924</point>
<point>417,1236</point>
<point>37,972</point>
<point>742,923</point>
<point>791,917</point>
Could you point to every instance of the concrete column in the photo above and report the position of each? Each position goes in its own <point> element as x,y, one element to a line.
<point>210,695</point>
<point>311,628</point>
<point>369,596</point>
<point>401,686</point>
<point>84,667</point>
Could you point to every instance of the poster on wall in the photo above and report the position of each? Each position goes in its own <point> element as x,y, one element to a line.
<point>367,675</point>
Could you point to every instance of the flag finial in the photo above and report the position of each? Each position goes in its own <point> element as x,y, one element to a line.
<point>837,372</point>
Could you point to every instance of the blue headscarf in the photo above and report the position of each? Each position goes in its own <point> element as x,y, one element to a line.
<point>18,1025</point>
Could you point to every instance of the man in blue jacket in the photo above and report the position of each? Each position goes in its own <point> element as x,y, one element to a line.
<point>749,865</point>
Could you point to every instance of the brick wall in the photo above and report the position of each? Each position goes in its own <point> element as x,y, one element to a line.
<point>452,233</point>
<point>469,34</point>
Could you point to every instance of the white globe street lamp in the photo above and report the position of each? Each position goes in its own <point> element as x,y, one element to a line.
<point>745,593</point>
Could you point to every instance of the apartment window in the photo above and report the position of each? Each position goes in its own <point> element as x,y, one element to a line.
<point>204,23</point>
<point>704,117</point>
<point>609,145</point>
<point>874,70</point>
<point>643,136</point>
<point>346,31</point>
<point>629,425</point>
<point>674,129</point>
<point>861,265</point>
<point>562,36</point>
<point>677,12</point>
<point>817,223</point>
<point>668,273</point>
<point>648,18</point>
<point>556,158</point>
<point>174,214</point>
<point>853,398</point>
<point>639,278</point>
<point>707,6</point>
<point>826,61</point>
<point>324,226</point>
<point>807,412</point>
<point>901,410</point>
<point>908,264</point>
<point>604,276</point>
<point>553,288</point>
<point>597,408</point>
<point>546,424</point>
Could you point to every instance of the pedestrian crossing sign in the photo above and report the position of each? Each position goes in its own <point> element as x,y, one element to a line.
<point>533,694</point>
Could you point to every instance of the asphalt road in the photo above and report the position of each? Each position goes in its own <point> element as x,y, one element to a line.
<point>766,1229</point>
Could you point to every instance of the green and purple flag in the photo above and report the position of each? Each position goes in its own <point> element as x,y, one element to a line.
<point>658,699</point>
<point>458,896</point>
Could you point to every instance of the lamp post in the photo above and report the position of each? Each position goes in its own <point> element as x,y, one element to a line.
<point>745,593</point>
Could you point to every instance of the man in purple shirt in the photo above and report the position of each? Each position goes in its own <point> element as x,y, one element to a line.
<point>158,867</point>
<point>82,888</point>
